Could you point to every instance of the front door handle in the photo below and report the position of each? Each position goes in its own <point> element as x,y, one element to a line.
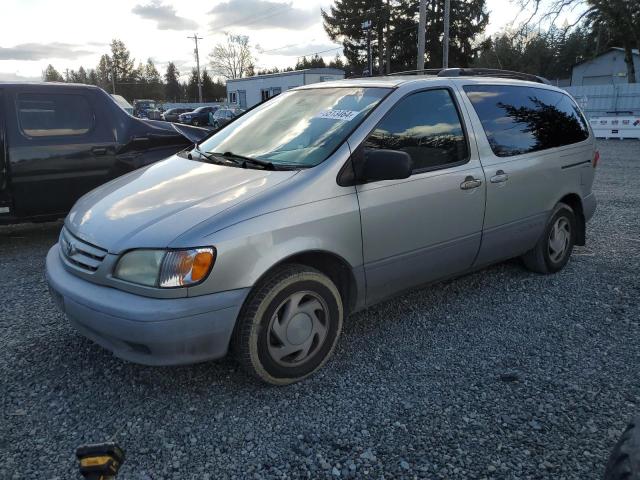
<point>470,183</point>
<point>499,177</point>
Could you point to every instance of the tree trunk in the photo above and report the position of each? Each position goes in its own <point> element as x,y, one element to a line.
<point>628,59</point>
<point>381,47</point>
<point>387,40</point>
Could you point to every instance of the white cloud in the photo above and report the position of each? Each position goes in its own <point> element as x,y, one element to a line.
<point>13,77</point>
<point>301,49</point>
<point>165,16</point>
<point>261,15</point>
<point>43,51</point>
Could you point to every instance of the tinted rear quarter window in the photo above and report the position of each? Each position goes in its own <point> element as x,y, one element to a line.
<point>54,115</point>
<point>520,120</point>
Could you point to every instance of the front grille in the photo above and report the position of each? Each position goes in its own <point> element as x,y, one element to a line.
<point>80,253</point>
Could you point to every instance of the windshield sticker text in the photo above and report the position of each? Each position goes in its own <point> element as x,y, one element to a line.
<point>343,115</point>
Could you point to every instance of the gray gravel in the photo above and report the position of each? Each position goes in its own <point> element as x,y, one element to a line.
<point>499,374</point>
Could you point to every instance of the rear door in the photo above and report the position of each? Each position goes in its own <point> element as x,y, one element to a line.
<point>61,147</point>
<point>429,225</point>
<point>533,148</point>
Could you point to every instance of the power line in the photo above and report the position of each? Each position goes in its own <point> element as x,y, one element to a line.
<point>254,18</point>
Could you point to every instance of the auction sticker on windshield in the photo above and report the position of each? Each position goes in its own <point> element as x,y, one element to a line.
<point>344,115</point>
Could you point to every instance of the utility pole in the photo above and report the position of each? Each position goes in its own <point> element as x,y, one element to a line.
<point>113,76</point>
<point>445,37</point>
<point>422,32</point>
<point>366,25</point>
<point>196,38</point>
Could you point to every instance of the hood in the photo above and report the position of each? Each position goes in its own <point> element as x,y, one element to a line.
<point>159,128</point>
<point>152,206</point>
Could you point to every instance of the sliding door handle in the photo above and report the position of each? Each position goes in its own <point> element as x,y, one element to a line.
<point>499,177</point>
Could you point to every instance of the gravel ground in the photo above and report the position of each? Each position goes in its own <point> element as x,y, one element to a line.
<point>499,374</point>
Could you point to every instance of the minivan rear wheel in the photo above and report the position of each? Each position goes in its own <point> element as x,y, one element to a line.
<point>289,325</point>
<point>554,247</point>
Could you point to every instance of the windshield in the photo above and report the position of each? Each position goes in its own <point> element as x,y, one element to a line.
<point>299,128</point>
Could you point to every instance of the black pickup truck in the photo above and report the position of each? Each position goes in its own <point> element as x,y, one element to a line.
<point>59,141</point>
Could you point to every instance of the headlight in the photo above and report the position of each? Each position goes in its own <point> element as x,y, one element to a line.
<point>166,268</point>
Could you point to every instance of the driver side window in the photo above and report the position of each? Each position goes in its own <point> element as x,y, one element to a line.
<point>427,126</point>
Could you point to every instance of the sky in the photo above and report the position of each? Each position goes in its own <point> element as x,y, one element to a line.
<point>73,33</point>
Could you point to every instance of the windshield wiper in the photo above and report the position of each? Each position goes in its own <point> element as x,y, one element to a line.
<point>213,157</point>
<point>245,160</point>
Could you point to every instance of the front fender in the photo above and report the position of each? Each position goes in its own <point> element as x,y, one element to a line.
<point>246,250</point>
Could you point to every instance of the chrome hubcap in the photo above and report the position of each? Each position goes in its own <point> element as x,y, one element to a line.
<point>559,239</point>
<point>298,328</point>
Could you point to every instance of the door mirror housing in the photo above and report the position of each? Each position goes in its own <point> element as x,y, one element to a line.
<point>379,164</point>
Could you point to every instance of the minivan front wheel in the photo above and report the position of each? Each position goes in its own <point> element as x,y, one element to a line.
<point>554,247</point>
<point>289,325</point>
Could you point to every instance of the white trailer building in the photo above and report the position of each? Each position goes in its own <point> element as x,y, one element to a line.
<point>249,91</point>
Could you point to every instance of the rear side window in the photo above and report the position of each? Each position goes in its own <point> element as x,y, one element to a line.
<point>520,120</point>
<point>48,115</point>
<point>426,125</point>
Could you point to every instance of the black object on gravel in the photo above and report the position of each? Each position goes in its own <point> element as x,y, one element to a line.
<point>624,461</point>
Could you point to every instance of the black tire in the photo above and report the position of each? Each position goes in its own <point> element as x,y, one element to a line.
<point>215,125</point>
<point>254,339</point>
<point>624,461</point>
<point>539,259</point>
<point>196,123</point>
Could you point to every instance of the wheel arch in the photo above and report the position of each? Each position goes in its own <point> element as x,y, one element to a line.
<point>333,266</point>
<point>575,202</point>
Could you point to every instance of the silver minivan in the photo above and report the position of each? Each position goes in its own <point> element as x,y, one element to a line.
<point>324,200</point>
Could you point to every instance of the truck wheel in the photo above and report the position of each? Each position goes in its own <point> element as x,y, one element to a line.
<point>554,247</point>
<point>289,325</point>
<point>624,461</point>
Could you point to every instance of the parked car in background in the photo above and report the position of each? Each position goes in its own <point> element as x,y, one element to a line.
<point>141,107</point>
<point>320,202</point>
<point>155,113</point>
<point>171,115</point>
<point>59,141</point>
<point>199,116</point>
<point>224,116</point>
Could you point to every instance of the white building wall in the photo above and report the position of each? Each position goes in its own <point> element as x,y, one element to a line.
<point>607,69</point>
<point>322,77</point>
<point>254,86</point>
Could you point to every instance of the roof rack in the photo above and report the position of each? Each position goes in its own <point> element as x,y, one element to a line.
<point>474,72</point>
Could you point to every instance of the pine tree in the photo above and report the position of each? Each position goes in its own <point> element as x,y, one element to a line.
<point>104,73</point>
<point>81,76</point>
<point>92,77</point>
<point>208,91</point>
<point>337,62</point>
<point>151,78</point>
<point>172,89</point>
<point>51,75</point>
<point>395,32</point>
<point>192,86</point>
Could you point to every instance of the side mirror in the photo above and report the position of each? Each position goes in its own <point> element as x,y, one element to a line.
<point>385,165</point>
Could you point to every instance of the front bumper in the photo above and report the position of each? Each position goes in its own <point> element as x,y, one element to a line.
<point>145,330</point>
